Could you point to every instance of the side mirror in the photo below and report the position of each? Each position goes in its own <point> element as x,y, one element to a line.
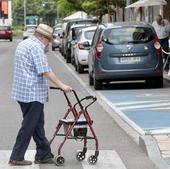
<point>86,44</point>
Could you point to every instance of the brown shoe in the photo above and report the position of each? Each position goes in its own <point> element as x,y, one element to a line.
<point>45,161</point>
<point>20,162</point>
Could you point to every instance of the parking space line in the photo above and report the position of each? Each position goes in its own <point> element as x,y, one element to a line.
<point>107,159</point>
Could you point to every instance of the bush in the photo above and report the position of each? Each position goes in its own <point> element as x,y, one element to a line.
<point>18,31</point>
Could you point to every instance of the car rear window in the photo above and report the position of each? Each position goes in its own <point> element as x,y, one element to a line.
<point>4,28</point>
<point>89,34</point>
<point>125,35</point>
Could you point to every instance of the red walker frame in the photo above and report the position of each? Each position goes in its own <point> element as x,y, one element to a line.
<point>59,160</point>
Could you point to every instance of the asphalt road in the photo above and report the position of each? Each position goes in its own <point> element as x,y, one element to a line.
<point>115,145</point>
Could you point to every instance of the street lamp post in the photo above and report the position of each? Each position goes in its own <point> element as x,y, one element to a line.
<point>24,12</point>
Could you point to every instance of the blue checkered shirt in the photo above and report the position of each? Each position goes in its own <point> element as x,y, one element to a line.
<point>30,62</point>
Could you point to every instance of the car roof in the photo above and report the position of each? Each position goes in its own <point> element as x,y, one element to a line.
<point>80,25</point>
<point>122,24</point>
<point>89,28</point>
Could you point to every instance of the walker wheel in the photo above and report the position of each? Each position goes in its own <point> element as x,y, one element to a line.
<point>92,159</point>
<point>80,156</point>
<point>59,160</point>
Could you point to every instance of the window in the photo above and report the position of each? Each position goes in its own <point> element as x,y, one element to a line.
<point>126,35</point>
<point>89,34</point>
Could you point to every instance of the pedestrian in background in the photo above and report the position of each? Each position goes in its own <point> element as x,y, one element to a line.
<point>30,90</point>
<point>162,29</point>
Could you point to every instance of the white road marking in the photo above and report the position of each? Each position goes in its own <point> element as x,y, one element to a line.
<point>151,95</point>
<point>161,108</point>
<point>156,105</point>
<point>160,131</point>
<point>4,158</point>
<point>107,159</point>
<point>140,102</point>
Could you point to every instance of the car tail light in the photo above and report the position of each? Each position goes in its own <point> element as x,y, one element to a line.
<point>81,46</point>
<point>157,45</point>
<point>99,49</point>
<point>9,31</point>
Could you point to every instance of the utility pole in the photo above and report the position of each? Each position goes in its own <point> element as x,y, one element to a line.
<point>24,12</point>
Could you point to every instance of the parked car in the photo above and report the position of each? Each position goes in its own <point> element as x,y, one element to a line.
<point>81,48</point>
<point>72,37</point>
<point>125,50</point>
<point>56,42</point>
<point>28,31</point>
<point>65,42</point>
<point>6,33</point>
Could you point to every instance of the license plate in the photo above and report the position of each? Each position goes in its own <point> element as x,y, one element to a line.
<point>128,60</point>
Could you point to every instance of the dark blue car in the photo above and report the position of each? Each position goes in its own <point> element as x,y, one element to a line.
<point>125,51</point>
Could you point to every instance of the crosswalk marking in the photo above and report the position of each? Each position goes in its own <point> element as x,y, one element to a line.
<point>4,158</point>
<point>107,159</point>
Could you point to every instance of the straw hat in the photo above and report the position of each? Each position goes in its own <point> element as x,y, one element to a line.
<point>45,30</point>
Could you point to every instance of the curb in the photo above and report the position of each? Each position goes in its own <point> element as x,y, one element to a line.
<point>150,147</point>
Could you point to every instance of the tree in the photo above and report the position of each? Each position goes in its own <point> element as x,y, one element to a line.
<point>47,13</point>
<point>95,7</point>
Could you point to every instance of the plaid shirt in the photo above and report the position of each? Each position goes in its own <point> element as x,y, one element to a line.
<point>30,62</point>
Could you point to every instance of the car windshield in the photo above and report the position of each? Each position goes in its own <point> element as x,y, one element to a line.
<point>89,34</point>
<point>125,35</point>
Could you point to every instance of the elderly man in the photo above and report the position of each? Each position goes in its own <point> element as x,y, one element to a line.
<point>30,90</point>
<point>162,29</point>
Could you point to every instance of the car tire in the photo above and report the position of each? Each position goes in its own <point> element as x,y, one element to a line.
<point>91,82</point>
<point>68,60</point>
<point>149,82</point>
<point>97,84</point>
<point>10,39</point>
<point>80,68</point>
<point>53,48</point>
<point>158,82</point>
<point>72,61</point>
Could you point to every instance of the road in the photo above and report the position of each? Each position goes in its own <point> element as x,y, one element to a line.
<point>117,149</point>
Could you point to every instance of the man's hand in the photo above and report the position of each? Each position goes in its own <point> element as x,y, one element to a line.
<point>66,88</point>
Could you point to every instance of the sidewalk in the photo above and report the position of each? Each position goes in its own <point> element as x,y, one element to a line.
<point>163,141</point>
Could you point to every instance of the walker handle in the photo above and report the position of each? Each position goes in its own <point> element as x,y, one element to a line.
<point>90,97</point>
<point>57,88</point>
<point>74,92</point>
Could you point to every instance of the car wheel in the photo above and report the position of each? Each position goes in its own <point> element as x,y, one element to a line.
<point>53,48</point>
<point>91,82</point>
<point>72,61</point>
<point>10,39</point>
<point>158,82</point>
<point>97,84</point>
<point>80,68</point>
<point>149,82</point>
<point>68,57</point>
